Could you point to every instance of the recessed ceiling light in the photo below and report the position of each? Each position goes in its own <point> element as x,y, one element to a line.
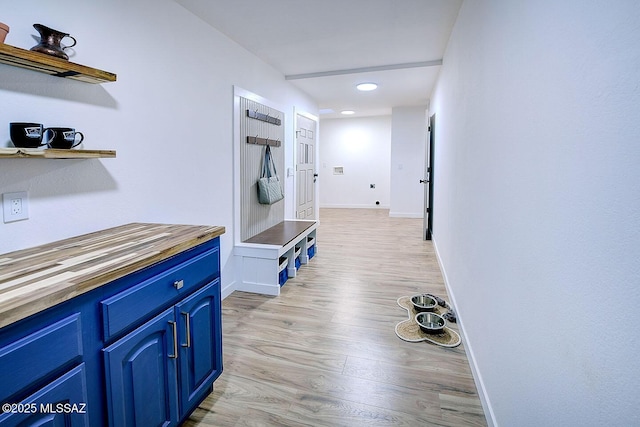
<point>367,86</point>
<point>347,112</point>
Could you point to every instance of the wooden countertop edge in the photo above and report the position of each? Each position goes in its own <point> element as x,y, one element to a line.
<point>138,264</point>
<point>12,311</point>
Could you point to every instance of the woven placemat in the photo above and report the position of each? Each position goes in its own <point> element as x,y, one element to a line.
<point>408,330</point>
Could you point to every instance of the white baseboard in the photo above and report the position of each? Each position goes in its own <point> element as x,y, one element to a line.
<point>259,288</point>
<point>332,206</point>
<point>475,371</point>
<point>228,289</point>
<point>405,215</point>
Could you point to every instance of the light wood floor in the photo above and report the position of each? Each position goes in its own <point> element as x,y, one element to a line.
<point>324,353</point>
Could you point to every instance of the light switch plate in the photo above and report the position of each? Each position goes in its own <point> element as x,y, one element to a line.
<point>15,206</point>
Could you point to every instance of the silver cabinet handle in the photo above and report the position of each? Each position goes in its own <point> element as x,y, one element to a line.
<point>187,322</point>
<point>178,284</point>
<point>175,340</point>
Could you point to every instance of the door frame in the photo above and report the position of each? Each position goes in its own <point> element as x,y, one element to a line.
<point>428,211</point>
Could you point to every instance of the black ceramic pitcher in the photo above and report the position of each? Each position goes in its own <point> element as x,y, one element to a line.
<point>50,41</point>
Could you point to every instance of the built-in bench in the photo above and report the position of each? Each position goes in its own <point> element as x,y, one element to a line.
<point>258,259</point>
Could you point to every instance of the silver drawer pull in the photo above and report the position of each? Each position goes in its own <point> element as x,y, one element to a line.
<point>175,340</point>
<point>178,284</point>
<point>187,321</point>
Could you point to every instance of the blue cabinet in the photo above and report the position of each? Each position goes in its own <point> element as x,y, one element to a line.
<point>47,352</point>
<point>157,374</point>
<point>200,355</point>
<point>58,404</point>
<point>133,305</point>
<point>141,375</point>
<point>141,350</point>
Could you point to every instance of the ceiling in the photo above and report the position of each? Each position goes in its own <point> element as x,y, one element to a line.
<point>326,47</point>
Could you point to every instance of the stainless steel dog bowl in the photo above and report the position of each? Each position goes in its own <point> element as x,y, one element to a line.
<point>430,323</point>
<point>424,302</point>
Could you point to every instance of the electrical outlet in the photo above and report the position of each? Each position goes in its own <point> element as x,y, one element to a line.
<point>15,206</point>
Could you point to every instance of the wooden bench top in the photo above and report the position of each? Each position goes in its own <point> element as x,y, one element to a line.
<point>281,234</point>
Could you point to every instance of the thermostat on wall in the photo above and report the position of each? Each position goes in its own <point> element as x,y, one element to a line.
<point>338,170</point>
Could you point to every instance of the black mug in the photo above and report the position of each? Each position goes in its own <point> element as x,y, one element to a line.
<point>65,138</point>
<point>28,135</point>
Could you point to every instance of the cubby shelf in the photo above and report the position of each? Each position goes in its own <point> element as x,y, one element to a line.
<point>51,65</point>
<point>52,153</point>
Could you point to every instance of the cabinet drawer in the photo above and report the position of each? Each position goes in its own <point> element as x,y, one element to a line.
<point>63,402</point>
<point>39,354</point>
<point>125,310</point>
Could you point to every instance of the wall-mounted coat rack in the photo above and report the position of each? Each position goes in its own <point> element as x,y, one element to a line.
<point>264,117</point>
<point>263,141</point>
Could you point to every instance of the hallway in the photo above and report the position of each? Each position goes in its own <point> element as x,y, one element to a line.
<point>324,353</point>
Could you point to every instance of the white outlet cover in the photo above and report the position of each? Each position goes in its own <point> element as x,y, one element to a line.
<point>7,202</point>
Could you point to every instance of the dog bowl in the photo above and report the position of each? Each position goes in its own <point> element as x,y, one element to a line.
<point>430,323</point>
<point>424,302</point>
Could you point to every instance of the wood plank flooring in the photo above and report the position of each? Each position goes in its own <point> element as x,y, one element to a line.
<point>324,353</point>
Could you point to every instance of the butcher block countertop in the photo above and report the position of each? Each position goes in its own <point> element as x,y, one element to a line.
<point>34,279</point>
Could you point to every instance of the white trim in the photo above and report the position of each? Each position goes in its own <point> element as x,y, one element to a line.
<point>260,288</point>
<point>228,290</point>
<point>333,206</point>
<point>387,67</point>
<point>316,195</point>
<point>236,164</point>
<point>405,215</point>
<point>237,93</point>
<point>482,391</point>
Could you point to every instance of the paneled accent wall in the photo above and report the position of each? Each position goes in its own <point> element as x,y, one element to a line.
<point>254,217</point>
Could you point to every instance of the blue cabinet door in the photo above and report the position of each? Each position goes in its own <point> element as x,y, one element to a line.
<point>61,403</point>
<point>141,380</point>
<point>200,332</point>
<point>32,355</point>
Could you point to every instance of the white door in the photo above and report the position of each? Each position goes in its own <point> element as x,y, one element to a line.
<point>305,168</point>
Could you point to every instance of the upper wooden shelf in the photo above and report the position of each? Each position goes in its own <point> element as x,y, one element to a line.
<point>51,65</point>
<point>52,153</point>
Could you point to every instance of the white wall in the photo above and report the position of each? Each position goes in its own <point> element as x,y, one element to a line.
<point>408,142</point>
<point>169,116</point>
<point>362,146</point>
<point>537,205</point>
